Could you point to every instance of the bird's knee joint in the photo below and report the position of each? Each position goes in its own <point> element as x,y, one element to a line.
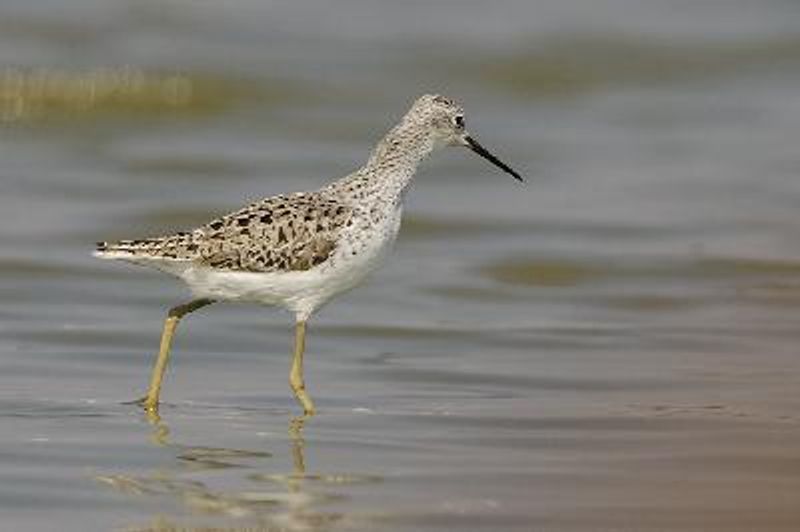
<point>175,313</point>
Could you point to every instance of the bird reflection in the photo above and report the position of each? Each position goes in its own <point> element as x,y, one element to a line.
<point>291,501</point>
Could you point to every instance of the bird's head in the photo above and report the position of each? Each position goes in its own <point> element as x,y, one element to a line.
<point>445,121</point>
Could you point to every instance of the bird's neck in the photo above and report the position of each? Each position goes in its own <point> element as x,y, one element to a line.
<point>391,167</point>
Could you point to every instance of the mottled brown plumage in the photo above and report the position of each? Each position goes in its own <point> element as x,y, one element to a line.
<point>283,233</point>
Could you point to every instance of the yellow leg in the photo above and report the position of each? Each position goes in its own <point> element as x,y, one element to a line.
<point>150,402</point>
<point>296,375</point>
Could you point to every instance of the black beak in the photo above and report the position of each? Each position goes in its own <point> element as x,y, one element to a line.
<point>486,154</point>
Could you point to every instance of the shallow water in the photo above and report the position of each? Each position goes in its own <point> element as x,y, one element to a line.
<point>612,346</point>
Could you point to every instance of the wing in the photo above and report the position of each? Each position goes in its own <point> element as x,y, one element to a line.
<point>282,233</point>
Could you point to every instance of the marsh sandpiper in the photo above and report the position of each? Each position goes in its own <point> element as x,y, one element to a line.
<point>299,250</point>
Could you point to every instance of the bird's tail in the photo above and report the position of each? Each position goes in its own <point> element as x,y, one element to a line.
<point>169,247</point>
<point>123,249</point>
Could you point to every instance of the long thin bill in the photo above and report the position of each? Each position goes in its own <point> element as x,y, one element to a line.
<point>486,154</point>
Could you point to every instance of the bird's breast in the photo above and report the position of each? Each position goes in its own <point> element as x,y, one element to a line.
<point>367,241</point>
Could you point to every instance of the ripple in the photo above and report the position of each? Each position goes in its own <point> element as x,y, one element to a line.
<point>570,272</point>
<point>218,457</point>
<point>569,66</point>
<point>542,272</point>
<point>509,382</point>
<point>328,478</point>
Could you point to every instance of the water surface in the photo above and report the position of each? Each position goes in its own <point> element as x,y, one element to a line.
<point>612,346</point>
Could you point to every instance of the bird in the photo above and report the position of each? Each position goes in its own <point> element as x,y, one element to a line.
<point>299,250</point>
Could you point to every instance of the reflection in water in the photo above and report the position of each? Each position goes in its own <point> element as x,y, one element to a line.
<point>292,501</point>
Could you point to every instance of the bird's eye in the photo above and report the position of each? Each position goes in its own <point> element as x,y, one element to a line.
<point>459,121</point>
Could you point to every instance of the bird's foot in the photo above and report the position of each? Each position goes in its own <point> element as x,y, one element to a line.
<point>144,402</point>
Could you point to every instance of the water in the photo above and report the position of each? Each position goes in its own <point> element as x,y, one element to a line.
<point>612,346</point>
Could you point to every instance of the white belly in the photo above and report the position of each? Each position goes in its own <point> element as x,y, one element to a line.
<point>358,254</point>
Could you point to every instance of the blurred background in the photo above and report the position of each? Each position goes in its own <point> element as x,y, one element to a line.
<point>611,346</point>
